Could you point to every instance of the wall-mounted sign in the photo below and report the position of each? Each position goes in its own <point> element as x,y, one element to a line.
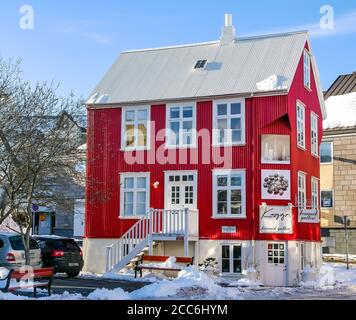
<point>275,185</point>
<point>227,229</point>
<point>276,220</point>
<point>308,216</point>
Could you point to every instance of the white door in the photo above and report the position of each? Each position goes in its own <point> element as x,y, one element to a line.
<point>276,264</point>
<point>180,193</point>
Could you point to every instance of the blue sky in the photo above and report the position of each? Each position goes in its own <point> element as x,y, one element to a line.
<point>75,42</point>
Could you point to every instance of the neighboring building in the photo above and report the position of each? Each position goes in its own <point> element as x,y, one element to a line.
<point>66,216</point>
<point>222,140</point>
<point>338,165</point>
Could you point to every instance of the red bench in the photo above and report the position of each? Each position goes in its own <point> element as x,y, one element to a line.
<point>39,278</point>
<point>140,266</point>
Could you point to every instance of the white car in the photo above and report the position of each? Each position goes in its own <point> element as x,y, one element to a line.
<point>12,254</point>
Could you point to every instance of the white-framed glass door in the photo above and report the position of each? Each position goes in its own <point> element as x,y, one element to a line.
<point>277,261</point>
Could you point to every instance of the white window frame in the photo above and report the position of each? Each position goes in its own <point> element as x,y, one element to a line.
<point>136,123</point>
<point>231,258</point>
<point>315,193</point>
<point>314,125</point>
<point>228,117</point>
<point>333,197</point>
<point>217,173</point>
<point>181,120</point>
<point>134,175</point>
<point>167,191</point>
<point>301,125</point>
<point>332,154</point>
<point>263,160</point>
<point>307,69</point>
<point>302,191</point>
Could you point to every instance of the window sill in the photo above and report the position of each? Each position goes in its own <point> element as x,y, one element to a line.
<point>326,163</point>
<point>229,217</point>
<point>224,145</point>
<point>131,218</point>
<point>275,162</point>
<point>307,88</point>
<point>134,149</point>
<point>301,148</point>
<point>180,147</point>
<point>315,155</point>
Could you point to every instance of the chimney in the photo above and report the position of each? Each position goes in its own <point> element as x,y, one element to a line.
<point>228,34</point>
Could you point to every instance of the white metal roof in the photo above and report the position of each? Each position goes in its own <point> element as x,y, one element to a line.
<point>165,74</point>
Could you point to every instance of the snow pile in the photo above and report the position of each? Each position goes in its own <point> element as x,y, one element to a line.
<point>343,276</point>
<point>341,111</point>
<point>4,273</point>
<point>105,294</point>
<point>125,276</point>
<point>273,82</point>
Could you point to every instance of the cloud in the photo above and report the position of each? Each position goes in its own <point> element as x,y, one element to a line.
<point>83,29</point>
<point>343,25</point>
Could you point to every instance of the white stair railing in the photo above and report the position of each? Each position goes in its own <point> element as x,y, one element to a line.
<point>156,223</point>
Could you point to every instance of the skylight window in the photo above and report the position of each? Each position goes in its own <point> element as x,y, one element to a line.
<point>200,64</point>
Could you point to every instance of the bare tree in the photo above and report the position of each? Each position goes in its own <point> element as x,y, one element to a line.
<point>37,146</point>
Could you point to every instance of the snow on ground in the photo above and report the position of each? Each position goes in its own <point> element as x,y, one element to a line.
<point>335,281</point>
<point>273,82</point>
<point>341,111</point>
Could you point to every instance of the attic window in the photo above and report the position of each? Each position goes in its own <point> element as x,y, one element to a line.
<point>200,64</point>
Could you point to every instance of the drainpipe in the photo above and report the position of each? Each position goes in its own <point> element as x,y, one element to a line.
<point>254,162</point>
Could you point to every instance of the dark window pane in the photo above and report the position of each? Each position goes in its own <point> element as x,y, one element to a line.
<point>236,108</point>
<point>281,260</point>
<point>225,252</point>
<point>326,199</point>
<point>222,196</point>
<point>222,208</point>
<point>188,112</point>
<point>326,152</point>
<point>237,252</point>
<point>270,260</point>
<point>222,181</point>
<point>275,260</point>
<point>222,109</point>
<point>225,266</point>
<point>237,266</point>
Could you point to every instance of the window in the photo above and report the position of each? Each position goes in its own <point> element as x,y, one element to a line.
<point>231,259</point>
<point>326,153</point>
<point>314,134</point>
<point>229,194</point>
<point>229,122</point>
<point>276,149</point>
<point>134,195</point>
<point>181,126</point>
<point>276,253</point>
<point>327,200</point>
<point>200,64</point>
<point>300,125</point>
<point>301,191</point>
<point>307,81</point>
<point>135,128</point>
<point>315,193</point>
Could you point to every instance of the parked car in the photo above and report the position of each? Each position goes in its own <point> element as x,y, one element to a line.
<point>12,252</point>
<point>63,254</point>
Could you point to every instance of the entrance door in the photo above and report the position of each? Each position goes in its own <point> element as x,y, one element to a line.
<point>180,193</point>
<point>277,264</point>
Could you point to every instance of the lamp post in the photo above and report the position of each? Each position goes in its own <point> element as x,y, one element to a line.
<point>346,223</point>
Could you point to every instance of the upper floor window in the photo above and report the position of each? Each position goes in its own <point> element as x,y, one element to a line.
<point>307,59</point>
<point>229,122</point>
<point>276,149</point>
<point>181,126</point>
<point>314,134</point>
<point>315,193</point>
<point>134,194</point>
<point>302,202</point>
<point>135,128</point>
<point>300,125</point>
<point>229,194</point>
<point>326,153</point>
<point>327,199</point>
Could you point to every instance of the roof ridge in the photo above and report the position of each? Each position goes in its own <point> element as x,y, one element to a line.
<point>273,35</point>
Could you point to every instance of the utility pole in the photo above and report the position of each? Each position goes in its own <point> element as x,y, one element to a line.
<point>346,222</point>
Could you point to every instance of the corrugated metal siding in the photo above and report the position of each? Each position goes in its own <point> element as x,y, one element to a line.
<point>165,74</point>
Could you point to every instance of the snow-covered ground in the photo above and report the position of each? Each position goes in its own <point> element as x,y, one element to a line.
<point>194,284</point>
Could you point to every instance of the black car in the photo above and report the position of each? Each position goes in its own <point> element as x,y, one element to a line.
<point>63,254</point>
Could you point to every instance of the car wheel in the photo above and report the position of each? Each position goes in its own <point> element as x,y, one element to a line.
<point>73,274</point>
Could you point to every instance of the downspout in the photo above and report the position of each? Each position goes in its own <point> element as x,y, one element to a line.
<point>254,161</point>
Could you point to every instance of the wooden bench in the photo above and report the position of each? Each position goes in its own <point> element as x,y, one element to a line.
<point>39,278</point>
<point>140,266</point>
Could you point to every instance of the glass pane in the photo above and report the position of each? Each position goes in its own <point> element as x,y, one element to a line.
<point>237,252</point>
<point>222,124</point>
<point>174,133</point>
<point>177,179</point>
<point>236,181</point>
<point>174,113</point>
<point>142,135</point>
<point>129,197</point>
<point>225,266</point>
<point>275,260</point>
<point>236,195</point>
<point>130,116</point>
<point>270,260</point>
<point>236,124</point>
<point>222,109</point>
<point>141,183</point>
<point>130,136</point>
<point>129,183</point>
<point>191,178</point>
<point>236,208</point>
<point>236,108</point>
<point>185,178</point>
<point>141,209</point>
<point>237,266</point>
<point>142,115</point>
<point>128,210</point>
<point>141,197</point>
<point>222,207</point>
<point>222,195</point>
<point>225,252</point>
<point>236,136</point>
<point>325,152</point>
<point>171,178</point>
<point>188,112</point>
<point>222,181</point>
<point>187,125</point>
<point>281,260</point>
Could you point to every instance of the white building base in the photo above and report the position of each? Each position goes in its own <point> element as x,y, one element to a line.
<point>278,263</point>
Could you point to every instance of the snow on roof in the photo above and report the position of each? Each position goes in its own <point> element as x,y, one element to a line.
<point>273,82</point>
<point>83,147</point>
<point>341,111</point>
<point>165,74</point>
